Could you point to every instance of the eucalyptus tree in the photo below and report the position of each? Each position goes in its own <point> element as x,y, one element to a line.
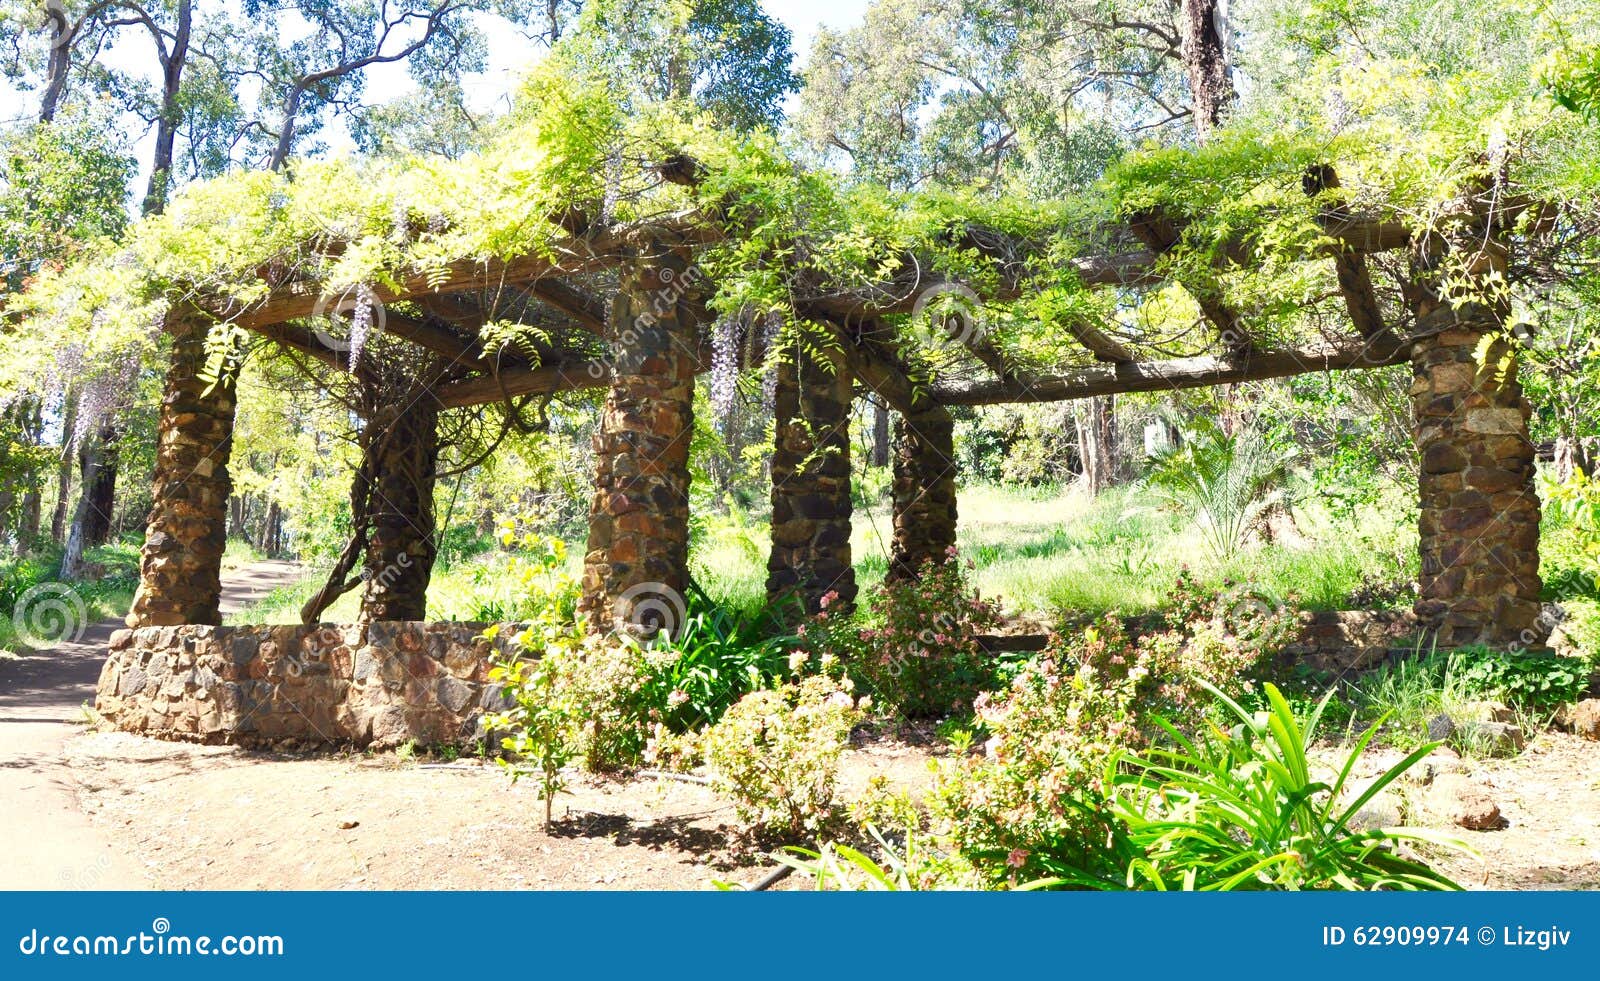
<point>729,57</point>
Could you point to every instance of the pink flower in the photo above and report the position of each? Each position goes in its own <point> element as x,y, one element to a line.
<point>1017,859</point>
<point>678,697</point>
<point>951,551</point>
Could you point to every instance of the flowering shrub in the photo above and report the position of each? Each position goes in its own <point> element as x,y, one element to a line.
<point>1043,784</point>
<point>1041,781</point>
<point>918,651</point>
<point>1217,639</point>
<point>776,752</point>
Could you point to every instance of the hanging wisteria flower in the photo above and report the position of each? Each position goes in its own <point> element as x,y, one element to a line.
<point>726,335</point>
<point>769,380</point>
<point>361,321</point>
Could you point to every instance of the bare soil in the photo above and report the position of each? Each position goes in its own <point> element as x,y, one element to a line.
<point>217,817</point>
<point>1549,799</point>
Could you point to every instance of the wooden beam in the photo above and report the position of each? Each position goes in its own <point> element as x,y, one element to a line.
<point>571,376</point>
<point>1349,265</point>
<point>588,252</point>
<point>1178,373</point>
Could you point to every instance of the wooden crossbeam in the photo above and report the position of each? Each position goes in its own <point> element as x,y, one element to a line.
<point>1177,373</point>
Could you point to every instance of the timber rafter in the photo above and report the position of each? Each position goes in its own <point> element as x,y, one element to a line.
<point>562,290</point>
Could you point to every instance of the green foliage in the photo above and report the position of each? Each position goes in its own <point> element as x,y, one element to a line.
<point>916,649</point>
<point>1243,808</point>
<point>1085,698</point>
<point>1537,680</point>
<point>775,754</point>
<point>1409,693</point>
<point>539,726</point>
<point>715,657</point>
<point>1227,482</point>
<point>63,185</point>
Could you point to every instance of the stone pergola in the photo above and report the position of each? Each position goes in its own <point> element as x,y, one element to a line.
<point>626,304</point>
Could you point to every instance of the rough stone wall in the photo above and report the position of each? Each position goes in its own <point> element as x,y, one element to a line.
<point>1347,641</point>
<point>400,544</point>
<point>924,491</point>
<point>180,573</point>
<point>378,684</point>
<point>1479,524</point>
<point>811,506</point>
<point>636,565</point>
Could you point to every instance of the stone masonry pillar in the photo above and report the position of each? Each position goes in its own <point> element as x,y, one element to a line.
<point>180,572</point>
<point>635,570</point>
<point>811,486</point>
<point>924,490</point>
<point>1479,524</point>
<point>404,441</point>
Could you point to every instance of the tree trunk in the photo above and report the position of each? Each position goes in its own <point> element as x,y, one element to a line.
<point>100,487</point>
<point>1203,29</point>
<point>69,422</point>
<point>1096,425</point>
<point>880,435</point>
<point>59,63</point>
<point>155,198</point>
<point>285,144</point>
<point>28,529</point>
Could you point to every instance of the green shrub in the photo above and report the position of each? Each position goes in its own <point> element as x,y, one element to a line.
<point>917,651</point>
<point>540,726</point>
<point>775,754</point>
<point>1243,808</point>
<point>1537,680</point>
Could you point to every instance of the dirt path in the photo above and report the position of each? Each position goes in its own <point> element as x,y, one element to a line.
<point>53,845</point>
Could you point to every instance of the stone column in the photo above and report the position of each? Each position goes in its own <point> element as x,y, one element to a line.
<point>811,486</point>
<point>635,570</point>
<point>180,574</point>
<point>404,444</point>
<point>924,490</point>
<point>1479,526</point>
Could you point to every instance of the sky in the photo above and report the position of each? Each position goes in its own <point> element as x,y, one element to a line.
<point>509,56</point>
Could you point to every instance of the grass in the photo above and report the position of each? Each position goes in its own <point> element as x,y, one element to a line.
<point>1047,551</point>
<point>107,596</point>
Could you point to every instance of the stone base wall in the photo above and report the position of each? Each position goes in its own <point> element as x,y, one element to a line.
<point>1342,642</point>
<point>378,685</point>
